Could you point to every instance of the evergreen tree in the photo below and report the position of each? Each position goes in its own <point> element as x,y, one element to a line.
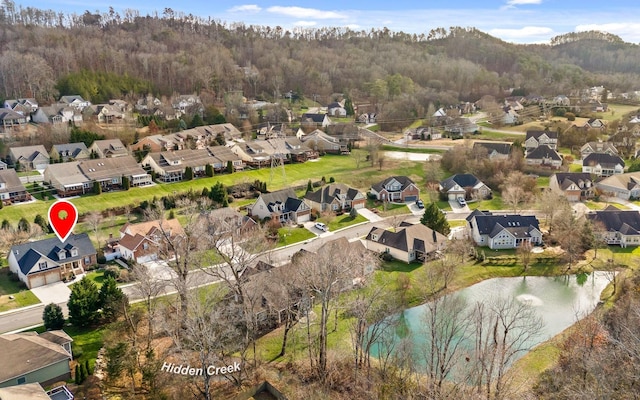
<point>23,225</point>
<point>435,219</point>
<point>229,167</point>
<point>196,121</point>
<point>84,303</point>
<point>87,367</point>
<point>112,299</point>
<point>6,225</point>
<point>348,105</point>
<point>126,183</point>
<point>97,188</point>
<point>52,317</point>
<point>309,186</point>
<point>77,375</point>
<point>208,170</point>
<point>188,174</point>
<point>39,220</point>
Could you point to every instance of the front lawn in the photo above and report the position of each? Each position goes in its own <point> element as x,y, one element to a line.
<point>9,288</point>
<point>494,203</point>
<point>86,343</point>
<point>344,220</point>
<point>288,235</point>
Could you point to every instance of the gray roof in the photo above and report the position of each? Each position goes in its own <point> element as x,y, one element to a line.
<point>70,149</point>
<point>537,134</point>
<point>498,147</point>
<point>285,196</point>
<point>604,159</point>
<point>565,179</point>
<point>223,153</point>
<point>462,180</point>
<point>404,181</point>
<point>110,146</point>
<point>28,152</point>
<point>626,222</point>
<point>11,181</point>
<point>317,118</point>
<point>28,254</point>
<point>543,151</point>
<point>328,193</point>
<point>417,236</point>
<point>489,224</point>
<point>23,353</point>
<point>101,169</point>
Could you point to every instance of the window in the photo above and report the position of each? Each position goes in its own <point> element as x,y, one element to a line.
<point>22,380</point>
<point>62,254</point>
<point>145,246</point>
<point>42,265</point>
<point>74,252</point>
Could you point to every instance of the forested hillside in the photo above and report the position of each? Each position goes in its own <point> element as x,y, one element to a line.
<point>172,52</point>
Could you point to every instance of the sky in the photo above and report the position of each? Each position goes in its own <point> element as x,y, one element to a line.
<point>516,21</point>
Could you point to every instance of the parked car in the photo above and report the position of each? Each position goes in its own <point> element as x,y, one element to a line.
<point>419,203</point>
<point>462,201</point>
<point>321,226</point>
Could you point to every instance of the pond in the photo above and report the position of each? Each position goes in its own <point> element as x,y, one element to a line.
<point>558,302</point>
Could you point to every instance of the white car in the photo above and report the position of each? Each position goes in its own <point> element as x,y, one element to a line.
<point>321,226</point>
<point>462,201</point>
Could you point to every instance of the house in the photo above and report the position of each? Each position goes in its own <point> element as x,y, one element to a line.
<point>29,157</point>
<point>336,109</point>
<point>109,148</point>
<point>315,120</point>
<point>108,114</point>
<point>408,243</point>
<point>625,186</point>
<point>187,104</point>
<point>603,164</point>
<point>11,189</point>
<point>78,177</point>
<point>396,189</point>
<point>543,156</point>
<point>598,147</point>
<point>11,121</point>
<point>31,358</point>
<point>75,101</point>
<point>503,231</point>
<point>621,227</point>
<point>34,391</point>
<point>148,102</point>
<point>282,205</point>
<point>229,221</point>
<point>299,151</point>
<point>170,166</point>
<point>561,100</point>
<point>25,106</point>
<point>57,114</point>
<point>460,126</point>
<point>69,152</point>
<point>494,150</point>
<point>253,153</point>
<point>466,186</point>
<point>145,241</point>
<point>322,143</point>
<point>509,116</point>
<point>533,139</point>
<point>575,186</point>
<point>594,123</point>
<point>155,144</point>
<point>47,261</point>
<point>335,197</point>
<point>226,156</point>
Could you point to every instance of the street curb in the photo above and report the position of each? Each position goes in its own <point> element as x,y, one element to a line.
<point>21,309</point>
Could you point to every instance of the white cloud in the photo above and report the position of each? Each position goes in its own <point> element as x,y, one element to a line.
<point>522,2</point>
<point>529,34</point>
<point>305,23</point>
<point>252,8</point>
<point>299,12</point>
<point>630,31</point>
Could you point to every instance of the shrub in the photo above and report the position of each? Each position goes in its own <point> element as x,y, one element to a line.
<point>111,272</point>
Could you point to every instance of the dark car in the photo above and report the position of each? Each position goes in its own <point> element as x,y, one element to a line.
<point>419,203</point>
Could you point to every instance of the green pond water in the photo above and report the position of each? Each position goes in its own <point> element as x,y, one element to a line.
<point>559,301</point>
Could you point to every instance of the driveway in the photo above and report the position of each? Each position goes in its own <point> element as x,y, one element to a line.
<point>53,293</point>
<point>457,208</point>
<point>370,215</point>
<point>415,210</point>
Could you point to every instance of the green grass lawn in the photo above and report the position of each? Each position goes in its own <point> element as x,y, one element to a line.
<point>543,181</point>
<point>616,111</point>
<point>488,134</point>
<point>495,203</point>
<point>8,288</point>
<point>290,235</point>
<point>86,341</point>
<point>343,221</point>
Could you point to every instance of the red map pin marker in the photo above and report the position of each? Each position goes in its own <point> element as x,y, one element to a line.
<point>63,216</point>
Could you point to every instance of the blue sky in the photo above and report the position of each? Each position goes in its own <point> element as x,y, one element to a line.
<point>518,21</point>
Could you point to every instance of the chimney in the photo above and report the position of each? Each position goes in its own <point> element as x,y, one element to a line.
<point>435,237</point>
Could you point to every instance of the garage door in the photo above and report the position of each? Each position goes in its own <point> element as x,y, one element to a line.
<point>51,277</point>
<point>303,218</point>
<point>36,281</point>
<point>410,198</point>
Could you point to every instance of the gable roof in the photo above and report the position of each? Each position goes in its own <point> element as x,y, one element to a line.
<point>28,152</point>
<point>23,353</point>
<point>110,147</point>
<point>604,159</point>
<point>625,181</point>
<point>70,149</point>
<point>285,196</point>
<point>462,180</point>
<point>101,169</point>
<point>11,181</point>
<point>327,193</point>
<point>498,147</point>
<point>26,391</point>
<point>317,118</point>
<point>28,254</point>
<point>543,151</point>
<point>517,225</point>
<point>566,179</point>
<point>178,160</point>
<point>536,134</point>
<point>7,115</point>
<point>599,147</point>
<point>403,180</point>
<point>626,222</point>
<point>408,236</point>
